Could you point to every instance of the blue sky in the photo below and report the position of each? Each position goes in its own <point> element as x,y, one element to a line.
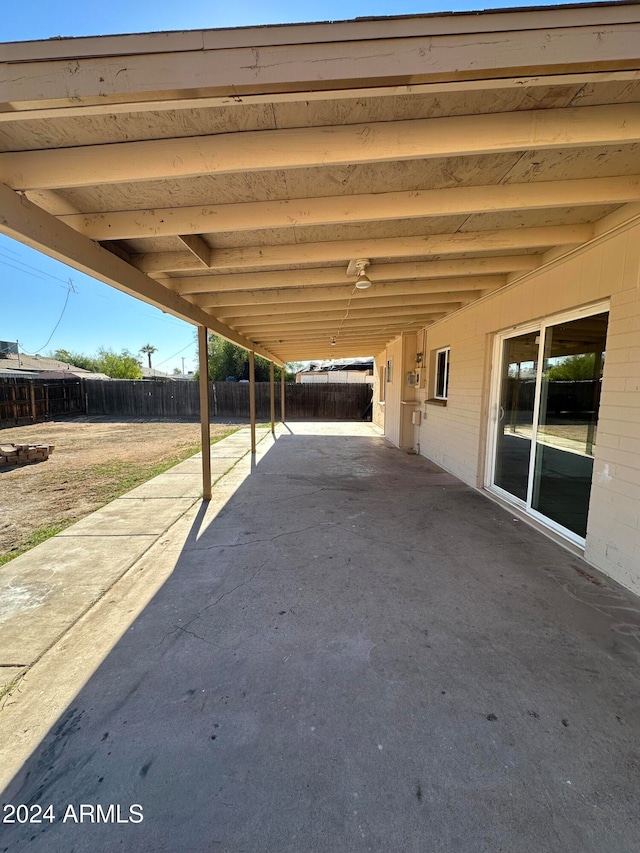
<point>96,315</point>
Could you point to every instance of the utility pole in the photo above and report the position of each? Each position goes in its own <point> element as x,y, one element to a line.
<point>183,365</point>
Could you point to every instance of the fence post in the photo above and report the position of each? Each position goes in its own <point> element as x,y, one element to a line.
<point>32,393</point>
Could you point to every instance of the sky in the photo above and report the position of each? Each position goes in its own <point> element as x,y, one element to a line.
<point>69,310</point>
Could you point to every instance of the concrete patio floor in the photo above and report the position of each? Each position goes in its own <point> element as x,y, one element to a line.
<point>346,650</point>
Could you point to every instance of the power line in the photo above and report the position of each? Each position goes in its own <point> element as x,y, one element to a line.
<point>41,274</point>
<point>164,361</point>
<point>70,289</point>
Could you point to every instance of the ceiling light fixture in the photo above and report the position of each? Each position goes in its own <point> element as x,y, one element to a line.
<point>358,268</point>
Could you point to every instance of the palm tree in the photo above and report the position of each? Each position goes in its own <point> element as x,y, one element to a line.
<point>148,350</point>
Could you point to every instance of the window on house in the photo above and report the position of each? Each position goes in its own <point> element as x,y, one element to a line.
<point>442,374</point>
<point>390,370</point>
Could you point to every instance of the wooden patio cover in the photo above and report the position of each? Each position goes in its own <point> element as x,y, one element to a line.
<point>230,176</point>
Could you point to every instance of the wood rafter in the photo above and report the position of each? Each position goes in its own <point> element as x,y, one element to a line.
<point>332,210</point>
<point>24,221</point>
<point>341,251</point>
<point>21,113</point>
<point>259,151</point>
<point>372,306</point>
<point>556,92</point>
<point>331,298</point>
<point>221,284</point>
<point>351,312</point>
<point>376,323</point>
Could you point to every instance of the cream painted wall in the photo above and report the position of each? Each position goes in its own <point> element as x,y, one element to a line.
<point>455,436</point>
<point>395,415</point>
<point>378,407</point>
<point>393,407</point>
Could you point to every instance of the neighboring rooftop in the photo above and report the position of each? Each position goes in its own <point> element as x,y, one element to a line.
<point>33,365</point>
<point>339,364</point>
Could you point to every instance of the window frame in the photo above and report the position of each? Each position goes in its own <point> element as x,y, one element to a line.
<point>447,354</point>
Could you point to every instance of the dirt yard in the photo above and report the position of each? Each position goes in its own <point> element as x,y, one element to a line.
<point>95,459</point>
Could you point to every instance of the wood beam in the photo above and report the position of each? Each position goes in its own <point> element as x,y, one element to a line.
<point>278,279</point>
<point>313,337</point>
<point>332,210</point>
<point>333,326</point>
<point>19,112</point>
<point>373,343</point>
<point>376,142</point>
<point>196,246</point>
<point>29,224</point>
<point>423,289</point>
<point>367,338</point>
<point>341,251</point>
<point>53,203</point>
<point>324,350</point>
<point>284,59</point>
<point>353,302</point>
<point>352,312</point>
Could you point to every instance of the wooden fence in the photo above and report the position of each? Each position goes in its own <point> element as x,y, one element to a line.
<point>31,400</point>
<point>160,399</point>
<point>24,401</point>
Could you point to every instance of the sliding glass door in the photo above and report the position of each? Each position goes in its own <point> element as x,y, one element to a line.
<point>546,414</point>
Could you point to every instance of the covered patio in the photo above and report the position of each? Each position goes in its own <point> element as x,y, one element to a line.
<point>295,667</point>
<point>348,648</point>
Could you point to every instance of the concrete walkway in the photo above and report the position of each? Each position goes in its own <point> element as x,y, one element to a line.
<point>346,650</point>
<point>46,590</point>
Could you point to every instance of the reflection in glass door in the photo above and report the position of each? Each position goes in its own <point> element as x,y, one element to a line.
<point>547,414</point>
<point>567,420</point>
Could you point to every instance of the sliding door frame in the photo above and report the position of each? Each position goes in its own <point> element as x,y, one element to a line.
<point>541,327</point>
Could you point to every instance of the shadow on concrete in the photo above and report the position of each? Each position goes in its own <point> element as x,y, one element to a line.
<point>355,653</point>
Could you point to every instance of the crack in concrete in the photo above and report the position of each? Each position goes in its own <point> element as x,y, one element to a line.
<point>183,628</point>
<point>197,636</point>
<point>268,539</point>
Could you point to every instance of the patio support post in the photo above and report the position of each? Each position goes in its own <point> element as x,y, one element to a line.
<point>272,397</point>
<point>204,413</point>
<point>282,395</point>
<point>252,398</point>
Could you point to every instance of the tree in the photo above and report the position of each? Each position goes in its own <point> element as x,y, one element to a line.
<point>148,350</point>
<point>122,365</point>
<point>78,359</point>
<point>228,359</point>
<point>573,368</point>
